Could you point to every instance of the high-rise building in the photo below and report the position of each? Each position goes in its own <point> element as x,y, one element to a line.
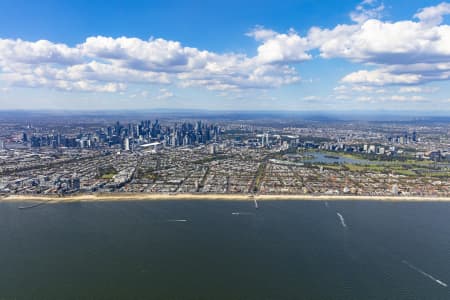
<point>266,139</point>
<point>126,144</point>
<point>138,131</point>
<point>174,139</point>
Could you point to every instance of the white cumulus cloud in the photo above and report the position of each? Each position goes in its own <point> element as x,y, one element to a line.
<point>381,77</point>
<point>367,9</point>
<point>433,15</point>
<point>406,52</point>
<point>110,64</point>
<point>280,47</point>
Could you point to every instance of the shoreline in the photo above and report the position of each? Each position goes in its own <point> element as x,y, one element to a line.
<point>125,197</point>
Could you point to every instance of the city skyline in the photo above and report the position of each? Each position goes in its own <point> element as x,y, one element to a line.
<point>295,56</point>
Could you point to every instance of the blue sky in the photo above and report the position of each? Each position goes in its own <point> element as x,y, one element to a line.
<point>271,55</point>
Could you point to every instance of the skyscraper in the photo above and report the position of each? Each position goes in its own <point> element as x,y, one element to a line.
<point>126,144</point>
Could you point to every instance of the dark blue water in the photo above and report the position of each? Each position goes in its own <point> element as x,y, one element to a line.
<point>201,250</point>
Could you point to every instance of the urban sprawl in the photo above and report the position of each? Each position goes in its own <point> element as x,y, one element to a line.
<point>65,156</point>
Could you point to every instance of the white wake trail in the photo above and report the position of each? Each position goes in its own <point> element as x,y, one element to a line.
<point>240,213</point>
<point>177,220</point>
<point>342,220</point>
<point>424,273</point>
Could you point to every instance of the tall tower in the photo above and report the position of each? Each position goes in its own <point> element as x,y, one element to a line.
<point>174,141</point>
<point>126,144</point>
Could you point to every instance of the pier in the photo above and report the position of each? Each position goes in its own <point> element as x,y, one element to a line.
<point>256,203</point>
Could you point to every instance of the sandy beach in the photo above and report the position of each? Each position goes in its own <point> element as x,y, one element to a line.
<point>226,197</point>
